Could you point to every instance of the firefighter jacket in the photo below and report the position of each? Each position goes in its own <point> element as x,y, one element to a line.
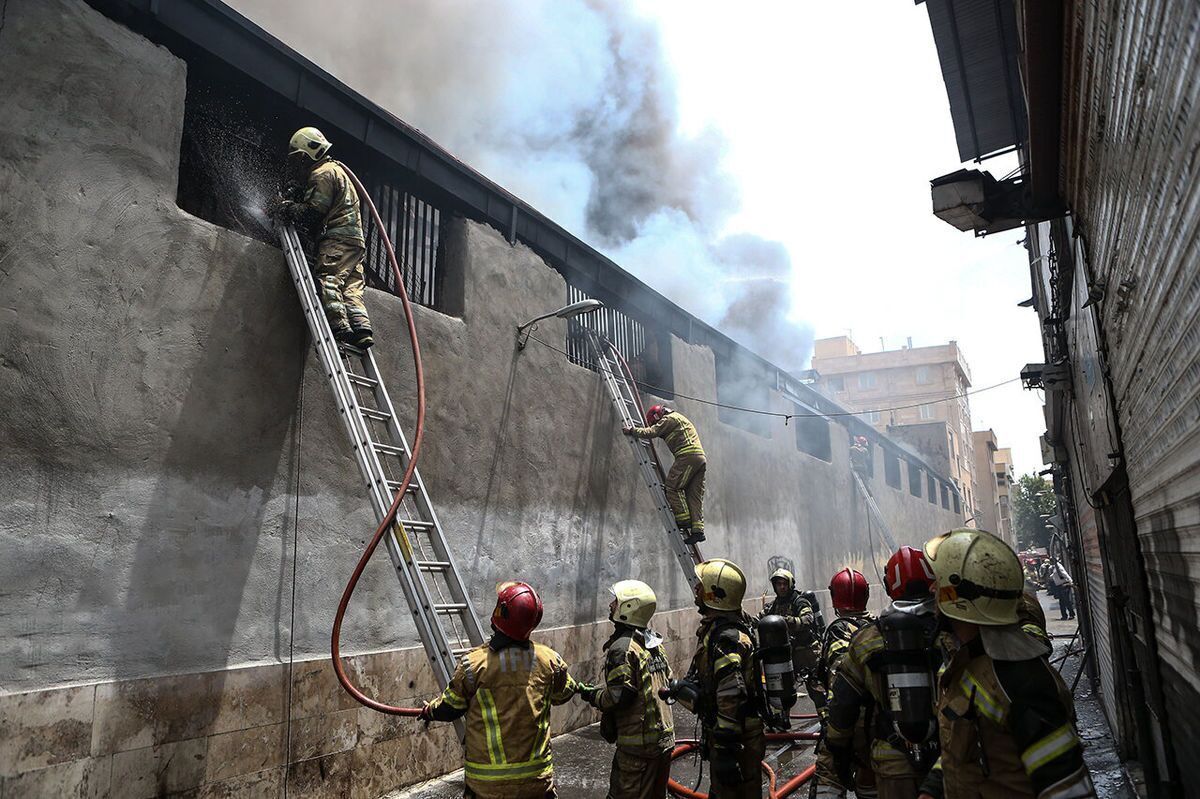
<point>1007,731</point>
<point>857,696</point>
<point>634,715</point>
<point>678,431</point>
<point>802,628</point>
<point>329,204</point>
<point>730,687</point>
<point>504,689</point>
<point>1032,616</point>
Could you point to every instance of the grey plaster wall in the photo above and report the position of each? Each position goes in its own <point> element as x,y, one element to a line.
<point>168,452</point>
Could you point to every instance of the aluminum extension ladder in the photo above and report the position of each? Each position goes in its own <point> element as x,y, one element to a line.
<point>873,508</point>
<point>445,618</point>
<point>624,394</point>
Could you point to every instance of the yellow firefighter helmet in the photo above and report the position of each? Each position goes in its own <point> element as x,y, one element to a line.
<point>309,141</point>
<point>636,603</point>
<point>722,584</point>
<point>784,574</point>
<point>978,577</point>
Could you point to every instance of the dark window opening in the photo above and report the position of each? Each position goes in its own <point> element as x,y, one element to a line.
<point>648,352</point>
<point>914,479</point>
<point>812,435</point>
<point>957,504</point>
<point>836,384</point>
<point>931,484</point>
<point>232,156</point>
<point>891,469</point>
<point>741,382</point>
<point>945,497</point>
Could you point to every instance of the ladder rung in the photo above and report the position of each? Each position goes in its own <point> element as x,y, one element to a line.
<point>450,608</point>
<point>433,565</point>
<point>371,413</point>
<point>457,651</point>
<point>390,449</point>
<point>415,524</point>
<point>394,486</point>
<point>362,380</point>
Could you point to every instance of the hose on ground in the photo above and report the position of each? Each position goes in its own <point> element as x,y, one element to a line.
<point>683,747</point>
<point>389,519</point>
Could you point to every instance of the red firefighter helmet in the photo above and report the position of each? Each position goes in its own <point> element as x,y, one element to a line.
<point>518,610</point>
<point>908,575</point>
<point>655,413</point>
<point>849,590</point>
<point>860,441</point>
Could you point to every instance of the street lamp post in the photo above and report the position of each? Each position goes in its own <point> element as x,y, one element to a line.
<point>566,312</point>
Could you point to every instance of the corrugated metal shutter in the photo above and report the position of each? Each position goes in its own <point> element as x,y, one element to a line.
<point>1097,591</point>
<point>1131,143</point>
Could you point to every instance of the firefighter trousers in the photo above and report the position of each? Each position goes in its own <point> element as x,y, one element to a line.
<point>339,270</point>
<point>639,776</point>
<point>750,762</point>
<point>685,491</point>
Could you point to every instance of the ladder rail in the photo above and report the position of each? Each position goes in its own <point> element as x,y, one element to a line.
<point>621,393</point>
<point>873,508</point>
<point>440,649</point>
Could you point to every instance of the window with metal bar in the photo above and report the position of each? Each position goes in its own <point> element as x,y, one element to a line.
<point>645,350</point>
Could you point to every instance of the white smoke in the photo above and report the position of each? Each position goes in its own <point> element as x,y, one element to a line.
<point>571,105</point>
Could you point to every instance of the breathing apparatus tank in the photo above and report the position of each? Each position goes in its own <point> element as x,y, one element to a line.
<point>775,660</point>
<point>815,602</point>
<point>908,668</point>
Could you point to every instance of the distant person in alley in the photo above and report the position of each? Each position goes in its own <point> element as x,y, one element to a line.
<point>685,480</point>
<point>326,204</point>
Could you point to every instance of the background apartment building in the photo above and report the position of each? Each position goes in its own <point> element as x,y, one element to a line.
<point>926,387</point>
<point>994,479</point>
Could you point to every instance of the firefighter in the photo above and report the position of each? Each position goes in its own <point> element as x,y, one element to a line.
<point>1006,720</point>
<point>505,688</point>
<point>860,692</point>
<point>685,480</point>
<point>723,686</point>
<point>327,205</point>
<point>635,716</point>
<point>801,618</point>
<point>860,456</point>
<point>849,593</point>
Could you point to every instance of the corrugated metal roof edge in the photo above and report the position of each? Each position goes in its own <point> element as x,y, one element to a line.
<point>241,43</point>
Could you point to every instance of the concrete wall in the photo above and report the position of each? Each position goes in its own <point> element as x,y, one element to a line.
<point>169,454</point>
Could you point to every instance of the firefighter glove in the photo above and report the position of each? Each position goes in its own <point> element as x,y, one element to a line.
<point>426,714</point>
<point>686,690</point>
<point>588,692</point>
<point>724,761</point>
<point>627,431</point>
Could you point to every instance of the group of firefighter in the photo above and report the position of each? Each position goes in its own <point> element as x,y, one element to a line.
<point>947,693</point>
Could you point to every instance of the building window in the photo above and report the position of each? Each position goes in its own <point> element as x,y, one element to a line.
<point>836,384</point>
<point>866,380</point>
<point>957,504</point>
<point>742,382</point>
<point>812,436</point>
<point>926,412</point>
<point>953,452</point>
<point>945,496</point>
<point>872,417</point>
<point>914,479</point>
<point>931,485</point>
<point>891,469</point>
<point>923,378</point>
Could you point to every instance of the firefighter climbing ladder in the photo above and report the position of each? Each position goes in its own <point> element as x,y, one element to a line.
<point>442,611</point>
<point>624,394</point>
<point>873,508</point>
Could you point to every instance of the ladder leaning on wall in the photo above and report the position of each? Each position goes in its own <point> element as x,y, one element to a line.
<point>623,392</point>
<point>873,509</point>
<point>442,611</point>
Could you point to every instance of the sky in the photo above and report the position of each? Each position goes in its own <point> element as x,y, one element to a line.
<point>768,169</point>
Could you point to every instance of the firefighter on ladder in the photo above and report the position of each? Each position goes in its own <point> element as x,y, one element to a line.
<point>1006,719</point>
<point>505,689</point>
<point>685,480</point>
<point>723,686</point>
<point>326,204</point>
<point>634,714</point>
<point>849,594</point>
<point>861,694</point>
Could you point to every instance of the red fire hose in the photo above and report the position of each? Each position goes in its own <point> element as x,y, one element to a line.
<point>684,747</point>
<point>390,518</point>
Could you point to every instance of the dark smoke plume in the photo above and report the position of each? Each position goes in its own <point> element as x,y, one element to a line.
<point>571,105</point>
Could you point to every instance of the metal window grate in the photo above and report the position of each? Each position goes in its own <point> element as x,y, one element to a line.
<point>626,333</point>
<point>414,226</point>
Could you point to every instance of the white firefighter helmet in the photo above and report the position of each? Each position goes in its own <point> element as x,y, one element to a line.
<point>786,576</point>
<point>722,584</point>
<point>636,603</point>
<point>309,141</point>
<point>978,577</point>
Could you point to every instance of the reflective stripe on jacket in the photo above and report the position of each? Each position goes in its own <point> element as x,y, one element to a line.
<point>506,696</point>
<point>634,672</point>
<point>678,431</point>
<point>330,194</point>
